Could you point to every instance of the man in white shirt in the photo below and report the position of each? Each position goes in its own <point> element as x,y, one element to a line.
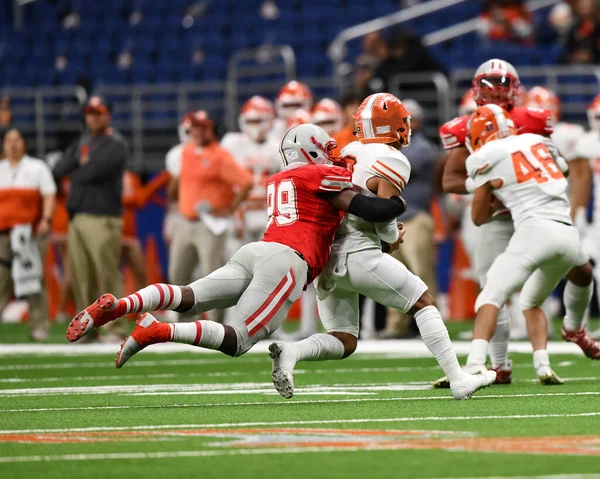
<point>27,199</point>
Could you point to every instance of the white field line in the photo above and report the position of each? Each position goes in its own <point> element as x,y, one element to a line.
<point>294,402</point>
<point>169,455</point>
<point>217,389</point>
<point>245,359</point>
<point>301,423</point>
<point>409,348</point>
<point>118,377</point>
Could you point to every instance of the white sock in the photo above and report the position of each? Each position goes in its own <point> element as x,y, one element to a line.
<point>206,334</point>
<point>478,353</point>
<point>155,297</point>
<point>499,341</point>
<point>435,336</point>
<point>319,347</point>
<point>577,300</point>
<point>541,359</point>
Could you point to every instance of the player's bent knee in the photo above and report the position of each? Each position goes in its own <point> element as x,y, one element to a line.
<point>348,340</point>
<point>494,298</point>
<point>581,276</point>
<point>424,301</point>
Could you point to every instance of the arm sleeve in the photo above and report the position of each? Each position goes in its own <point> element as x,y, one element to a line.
<point>478,168</point>
<point>387,231</point>
<point>68,163</point>
<point>47,184</point>
<point>376,210</point>
<point>114,160</point>
<point>233,173</point>
<point>334,180</point>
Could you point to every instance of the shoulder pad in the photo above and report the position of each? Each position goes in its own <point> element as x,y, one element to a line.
<point>532,120</point>
<point>453,133</point>
<point>394,167</point>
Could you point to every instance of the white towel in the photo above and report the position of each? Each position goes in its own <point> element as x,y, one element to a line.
<point>217,225</point>
<point>26,262</point>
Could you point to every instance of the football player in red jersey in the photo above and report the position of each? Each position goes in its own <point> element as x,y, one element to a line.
<point>306,204</point>
<point>497,82</point>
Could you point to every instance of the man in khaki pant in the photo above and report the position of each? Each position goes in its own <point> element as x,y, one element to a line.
<point>95,163</point>
<point>27,196</point>
<point>418,250</point>
<point>208,185</point>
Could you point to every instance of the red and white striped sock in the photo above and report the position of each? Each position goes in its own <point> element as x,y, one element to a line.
<point>155,297</point>
<point>206,334</point>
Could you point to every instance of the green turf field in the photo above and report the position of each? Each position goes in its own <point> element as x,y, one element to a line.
<point>205,415</point>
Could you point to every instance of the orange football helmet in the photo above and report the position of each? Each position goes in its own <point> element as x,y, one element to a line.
<point>382,118</point>
<point>293,96</point>
<point>496,81</point>
<point>256,118</point>
<point>328,115</point>
<point>593,113</point>
<point>467,104</point>
<point>540,97</point>
<point>488,123</point>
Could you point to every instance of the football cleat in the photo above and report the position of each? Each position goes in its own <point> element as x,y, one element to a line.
<point>444,383</point>
<point>582,339</point>
<point>548,377</point>
<point>283,368</point>
<point>471,383</point>
<point>503,373</point>
<point>148,330</point>
<point>99,313</point>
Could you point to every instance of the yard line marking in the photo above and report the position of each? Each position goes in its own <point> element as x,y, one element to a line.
<point>117,376</point>
<point>407,348</point>
<point>289,402</point>
<point>210,389</point>
<point>168,455</point>
<point>301,423</point>
<point>111,365</point>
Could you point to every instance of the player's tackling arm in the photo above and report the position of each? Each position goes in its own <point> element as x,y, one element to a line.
<point>455,171</point>
<point>374,210</point>
<point>580,178</point>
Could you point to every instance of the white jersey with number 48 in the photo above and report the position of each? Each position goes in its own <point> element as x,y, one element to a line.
<point>532,184</point>
<point>366,161</point>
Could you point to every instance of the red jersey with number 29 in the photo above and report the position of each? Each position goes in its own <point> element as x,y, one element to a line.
<point>299,216</point>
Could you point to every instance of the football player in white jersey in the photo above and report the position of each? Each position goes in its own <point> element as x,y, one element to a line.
<point>587,149</point>
<point>328,114</point>
<point>254,149</point>
<point>565,137</point>
<point>521,173</point>
<point>358,266</point>
<point>292,96</point>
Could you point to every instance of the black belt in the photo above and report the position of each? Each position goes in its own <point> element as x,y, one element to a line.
<point>309,271</point>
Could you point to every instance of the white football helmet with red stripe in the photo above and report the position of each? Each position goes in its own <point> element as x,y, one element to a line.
<point>256,118</point>
<point>307,143</point>
<point>496,81</point>
<point>327,114</point>
<point>293,96</point>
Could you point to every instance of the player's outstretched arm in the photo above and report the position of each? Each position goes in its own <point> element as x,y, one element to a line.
<point>374,210</point>
<point>455,171</point>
